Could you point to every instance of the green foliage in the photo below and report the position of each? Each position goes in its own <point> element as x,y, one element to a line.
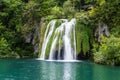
<point>83,37</point>
<point>10,30</point>
<point>4,47</point>
<point>83,17</point>
<point>45,7</point>
<point>107,11</point>
<point>11,13</point>
<point>108,51</point>
<point>68,9</point>
<point>30,16</point>
<point>58,2</point>
<point>115,31</point>
<point>57,11</point>
<point>5,50</point>
<point>84,33</point>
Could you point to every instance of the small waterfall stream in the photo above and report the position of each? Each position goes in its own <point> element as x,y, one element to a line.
<point>63,46</point>
<point>48,33</point>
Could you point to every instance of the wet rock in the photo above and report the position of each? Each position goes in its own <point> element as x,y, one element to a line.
<point>102,28</point>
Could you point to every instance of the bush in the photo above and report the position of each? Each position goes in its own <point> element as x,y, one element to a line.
<point>108,51</point>
<point>83,38</point>
<point>5,50</point>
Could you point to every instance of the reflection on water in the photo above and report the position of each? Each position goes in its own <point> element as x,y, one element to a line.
<point>52,72</point>
<point>44,70</point>
<point>57,71</point>
<point>68,73</point>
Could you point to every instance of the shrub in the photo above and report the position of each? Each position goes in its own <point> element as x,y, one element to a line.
<point>109,51</point>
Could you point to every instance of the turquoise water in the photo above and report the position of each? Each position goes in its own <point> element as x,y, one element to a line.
<point>30,69</point>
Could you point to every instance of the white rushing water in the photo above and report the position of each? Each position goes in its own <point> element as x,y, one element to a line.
<point>48,33</point>
<point>52,50</point>
<point>69,50</point>
<point>63,46</point>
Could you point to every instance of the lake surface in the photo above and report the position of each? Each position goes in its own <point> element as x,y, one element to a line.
<point>30,69</point>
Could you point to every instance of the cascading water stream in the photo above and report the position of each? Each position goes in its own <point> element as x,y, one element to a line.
<point>48,34</point>
<point>58,32</point>
<point>63,46</point>
<point>52,50</point>
<point>69,53</point>
<point>74,41</point>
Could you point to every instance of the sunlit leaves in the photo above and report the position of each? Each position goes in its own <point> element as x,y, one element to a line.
<point>109,51</point>
<point>107,11</point>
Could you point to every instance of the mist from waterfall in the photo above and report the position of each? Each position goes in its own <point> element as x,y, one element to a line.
<point>63,46</point>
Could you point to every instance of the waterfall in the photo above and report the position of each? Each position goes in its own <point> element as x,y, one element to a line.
<point>63,46</point>
<point>52,49</point>
<point>48,33</point>
<point>69,50</point>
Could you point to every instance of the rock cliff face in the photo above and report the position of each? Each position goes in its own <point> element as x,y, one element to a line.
<point>33,37</point>
<point>102,28</point>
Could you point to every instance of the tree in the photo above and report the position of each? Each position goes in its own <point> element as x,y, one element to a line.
<point>107,11</point>
<point>68,9</point>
